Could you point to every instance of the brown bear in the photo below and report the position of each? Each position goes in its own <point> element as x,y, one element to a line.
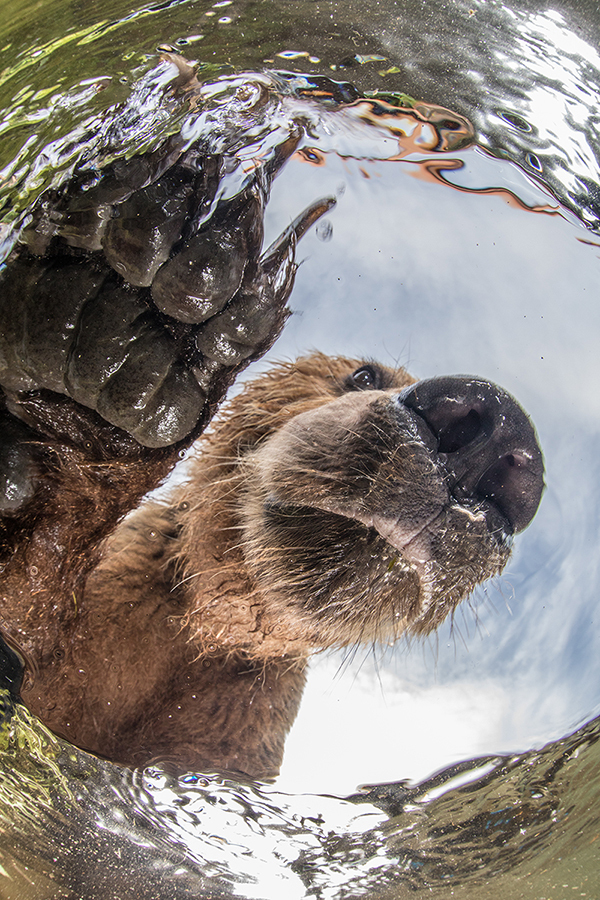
<point>333,501</point>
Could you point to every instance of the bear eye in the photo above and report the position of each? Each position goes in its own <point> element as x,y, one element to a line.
<point>364,379</point>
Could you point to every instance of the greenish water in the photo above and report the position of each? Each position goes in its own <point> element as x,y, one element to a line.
<point>73,826</point>
<point>490,268</point>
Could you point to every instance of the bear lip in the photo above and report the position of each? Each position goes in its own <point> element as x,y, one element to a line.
<point>410,540</point>
<point>412,543</point>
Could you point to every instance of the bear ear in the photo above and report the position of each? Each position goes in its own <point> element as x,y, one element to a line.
<point>368,377</point>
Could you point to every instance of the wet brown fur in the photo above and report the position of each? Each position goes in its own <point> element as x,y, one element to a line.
<point>167,638</point>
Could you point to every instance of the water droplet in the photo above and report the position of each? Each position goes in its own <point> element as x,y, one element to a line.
<point>324,230</point>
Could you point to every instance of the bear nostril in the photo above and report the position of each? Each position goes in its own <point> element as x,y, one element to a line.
<point>458,432</point>
<point>495,483</point>
<point>487,446</point>
<point>514,484</point>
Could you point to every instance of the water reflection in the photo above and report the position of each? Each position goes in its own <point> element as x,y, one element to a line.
<point>80,828</point>
<point>442,280</point>
<point>525,77</point>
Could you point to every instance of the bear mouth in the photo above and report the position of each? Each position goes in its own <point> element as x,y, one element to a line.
<point>407,580</point>
<point>414,541</point>
<point>409,522</point>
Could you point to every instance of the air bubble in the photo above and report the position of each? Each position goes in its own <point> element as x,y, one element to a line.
<point>534,162</point>
<point>515,120</point>
<point>292,54</point>
<point>324,230</point>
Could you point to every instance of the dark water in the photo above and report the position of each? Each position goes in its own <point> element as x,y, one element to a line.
<point>443,254</point>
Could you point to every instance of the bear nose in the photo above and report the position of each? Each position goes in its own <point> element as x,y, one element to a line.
<point>485,442</point>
